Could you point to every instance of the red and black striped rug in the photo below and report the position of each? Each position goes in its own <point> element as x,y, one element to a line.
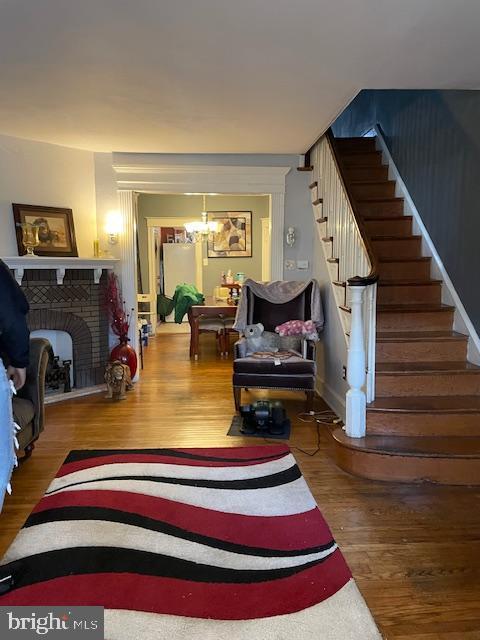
<point>188,544</point>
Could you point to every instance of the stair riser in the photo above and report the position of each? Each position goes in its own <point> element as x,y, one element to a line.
<point>377,190</point>
<point>434,351</point>
<point>361,159</point>
<point>362,144</point>
<point>403,294</point>
<point>382,209</point>
<point>367,173</point>
<point>441,384</point>
<point>398,468</point>
<point>389,227</point>
<point>410,248</point>
<point>389,423</point>
<point>421,321</point>
<point>404,270</point>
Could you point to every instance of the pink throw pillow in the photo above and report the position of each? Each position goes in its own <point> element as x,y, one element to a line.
<point>298,328</point>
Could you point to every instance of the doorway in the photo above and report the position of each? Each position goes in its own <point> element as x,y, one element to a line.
<point>158,177</point>
<point>168,257</point>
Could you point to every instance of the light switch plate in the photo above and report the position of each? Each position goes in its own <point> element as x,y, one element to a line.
<point>289,264</point>
<point>205,262</point>
<point>302,264</point>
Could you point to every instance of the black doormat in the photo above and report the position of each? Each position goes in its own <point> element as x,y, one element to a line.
<point>235,430</point>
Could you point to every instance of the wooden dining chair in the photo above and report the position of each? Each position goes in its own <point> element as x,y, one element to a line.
<point>211,326</point>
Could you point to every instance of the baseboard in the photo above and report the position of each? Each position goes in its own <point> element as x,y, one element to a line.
<point>75,393</point>
<point>462,322</point>
<point>331,397</point>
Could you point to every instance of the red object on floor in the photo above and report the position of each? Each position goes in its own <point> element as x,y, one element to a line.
<point>126,354</point>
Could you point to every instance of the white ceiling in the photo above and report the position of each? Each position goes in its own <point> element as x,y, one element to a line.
<point>198,76</point>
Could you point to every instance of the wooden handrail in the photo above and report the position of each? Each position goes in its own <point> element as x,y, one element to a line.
<point>373,275</point>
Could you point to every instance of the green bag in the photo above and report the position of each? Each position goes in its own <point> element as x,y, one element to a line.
<point>164,305</point>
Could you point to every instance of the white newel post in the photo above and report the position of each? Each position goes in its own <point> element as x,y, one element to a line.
<point>356,374</point>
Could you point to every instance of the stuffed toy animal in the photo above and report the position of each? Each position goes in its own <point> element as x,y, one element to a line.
<point>306,328</point>
<point>117,377</point>
<point>258,339</point>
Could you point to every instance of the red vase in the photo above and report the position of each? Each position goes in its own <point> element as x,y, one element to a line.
<point>126,354</point>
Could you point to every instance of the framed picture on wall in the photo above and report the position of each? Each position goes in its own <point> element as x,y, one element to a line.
<point>234,236</point>
<point>56,232</point>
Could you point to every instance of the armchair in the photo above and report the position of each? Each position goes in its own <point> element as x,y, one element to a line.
<point>28,404</point>
<point>295,374</point>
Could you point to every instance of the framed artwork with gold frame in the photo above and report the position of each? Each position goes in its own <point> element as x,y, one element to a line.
<point>56,231</point>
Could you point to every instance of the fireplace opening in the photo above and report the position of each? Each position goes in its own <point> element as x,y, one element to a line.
<point>62,366</point>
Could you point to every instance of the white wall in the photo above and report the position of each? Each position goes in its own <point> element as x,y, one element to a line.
<point>106,199</point>
<point>49,175</point>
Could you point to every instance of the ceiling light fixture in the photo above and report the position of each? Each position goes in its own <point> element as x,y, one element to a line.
<point>201,229</point>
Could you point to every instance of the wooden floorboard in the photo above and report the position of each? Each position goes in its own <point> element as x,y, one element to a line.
<point>413,549</point>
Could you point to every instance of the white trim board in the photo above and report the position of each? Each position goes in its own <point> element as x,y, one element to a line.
<point>331,397</point>
<point>462,322</point>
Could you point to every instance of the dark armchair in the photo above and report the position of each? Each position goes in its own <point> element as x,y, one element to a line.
<point>28,404</point>
<point>295,374</point>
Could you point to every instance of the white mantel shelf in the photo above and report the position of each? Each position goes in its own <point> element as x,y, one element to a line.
<point>20,263</point>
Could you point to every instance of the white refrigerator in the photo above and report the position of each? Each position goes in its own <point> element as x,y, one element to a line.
<point>180,262</point>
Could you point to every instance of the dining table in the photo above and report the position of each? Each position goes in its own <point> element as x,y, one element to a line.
<point>210,308</point>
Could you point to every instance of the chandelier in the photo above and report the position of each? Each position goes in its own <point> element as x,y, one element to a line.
<point>201,229</point>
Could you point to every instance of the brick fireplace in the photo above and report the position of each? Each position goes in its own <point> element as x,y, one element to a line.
<point>70,300</point>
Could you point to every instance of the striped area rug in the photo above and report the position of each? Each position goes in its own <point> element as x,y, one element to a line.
<point>188,544</point>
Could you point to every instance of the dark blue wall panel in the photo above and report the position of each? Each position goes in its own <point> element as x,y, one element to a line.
<point>434,139</point>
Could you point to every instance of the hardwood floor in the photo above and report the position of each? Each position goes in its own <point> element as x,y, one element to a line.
<point>413,549</point>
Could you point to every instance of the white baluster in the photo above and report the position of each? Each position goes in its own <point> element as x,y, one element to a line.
<point>356,400</point>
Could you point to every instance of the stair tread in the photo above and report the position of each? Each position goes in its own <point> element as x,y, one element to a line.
<point>363,139</point>
<point>368,218</point>
<point>418,282</point>
<point>406,283</point>
<point>415,307</point>
<point>365,166</point>
<point>421,336</point>
<point>382,199</point>
<point>389,238</point>
<point>427,404</point>
<point>360,152</point>
<point>400,259</point>
<point>372,181</point>
<point>399,368</point>
<point>417,446</point>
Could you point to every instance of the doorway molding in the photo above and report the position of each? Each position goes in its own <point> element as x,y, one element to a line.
<point>141,177</point>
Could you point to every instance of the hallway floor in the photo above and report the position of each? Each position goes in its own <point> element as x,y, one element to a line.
<point>413,549</point>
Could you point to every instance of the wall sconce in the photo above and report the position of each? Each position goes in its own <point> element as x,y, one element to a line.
<point>290,237</point>
<point>113,226</point>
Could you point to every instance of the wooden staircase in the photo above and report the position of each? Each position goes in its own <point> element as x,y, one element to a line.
<point>424,424</point>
